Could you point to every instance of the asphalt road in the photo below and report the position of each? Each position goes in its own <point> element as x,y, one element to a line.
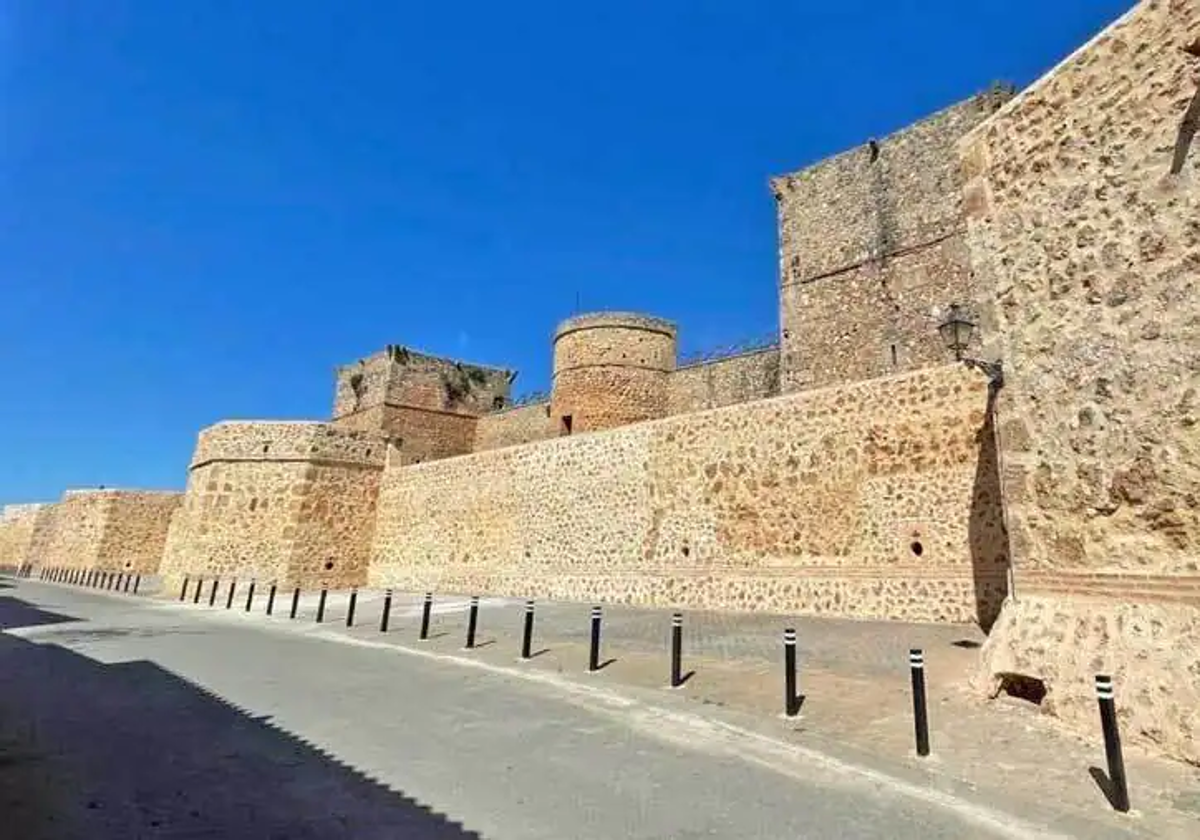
<point>124,718</point>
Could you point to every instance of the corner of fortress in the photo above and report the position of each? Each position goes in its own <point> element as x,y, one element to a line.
<point>852,467</point>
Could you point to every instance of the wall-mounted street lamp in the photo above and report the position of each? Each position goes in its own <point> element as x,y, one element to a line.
<point>957,330</point>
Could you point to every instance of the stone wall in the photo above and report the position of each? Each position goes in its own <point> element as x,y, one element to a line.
<point>71,537</point>
<point>17,523</point>
<point>513,426</point>
<point>736,379</point>
<point>871,245</point>
<point>112,530</point>
<point>135,530</point>
<point>1092,248</point>
<point>610,369</point>
<point>876,500</point>
<point>288,502</point>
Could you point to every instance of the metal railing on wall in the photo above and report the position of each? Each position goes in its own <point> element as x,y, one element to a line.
<point>725,351</point>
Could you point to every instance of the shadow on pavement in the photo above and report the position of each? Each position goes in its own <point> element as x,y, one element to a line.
<point>129,750</point>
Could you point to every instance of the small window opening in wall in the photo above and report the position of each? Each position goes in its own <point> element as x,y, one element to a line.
<point>367,454</point>
<point>566,424</point>
<point>1023,687</point>
<point>498,402</point>
<point>916,548</point>
<point>128,564</point>
<point>895,357</point>
<point>328,565</point>
<point>873,146</point>
<point>686,550</point>
<point>266,448</point>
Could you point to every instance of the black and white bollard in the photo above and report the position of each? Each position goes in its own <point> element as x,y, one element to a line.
<point>387,611</point>
<point>594,650</point>
<point>472,621</point>
<point>350,608</point>
<point>125,588</point>
<point>271,598</point>
<point>676,650</point>
<point>250,596</point>
<point>212,595</point>
<point>321,605</point>
<point>295,602</point>
<point>916,661</point>
<point>425,611</point>
<point>1112,743</point>
<point>791,699</point>
<point>527,632</point>
<point>229,596</point>
<point>137,581</point>
<point>183,589</point>
<point>196,594</point>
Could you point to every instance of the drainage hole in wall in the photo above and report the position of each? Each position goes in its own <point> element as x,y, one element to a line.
<point>1023,687</point>
<point>328,565</point>
<point>917,548</point>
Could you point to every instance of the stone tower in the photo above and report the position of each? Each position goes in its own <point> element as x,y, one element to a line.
<point>610,369</point>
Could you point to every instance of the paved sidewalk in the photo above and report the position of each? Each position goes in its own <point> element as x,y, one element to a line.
<point>854,677</point>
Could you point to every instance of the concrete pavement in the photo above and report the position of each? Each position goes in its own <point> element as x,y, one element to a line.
<point>131,718</point>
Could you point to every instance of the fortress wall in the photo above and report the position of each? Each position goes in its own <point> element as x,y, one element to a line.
<point>17,524</point>
<point>250,513</point>
<point>1092,249</point>
<point>814,503</point>
<point>71,536</point>
<point>736,379</point>
<point>512,426</point>
<point>610,369</point>
<point>871,249</point>
<point>135,531</point>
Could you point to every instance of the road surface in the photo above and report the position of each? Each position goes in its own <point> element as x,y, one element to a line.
<point>129,718</point>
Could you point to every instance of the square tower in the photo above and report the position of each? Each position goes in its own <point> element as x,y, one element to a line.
<point>427,405</point>
<point>872,248</point>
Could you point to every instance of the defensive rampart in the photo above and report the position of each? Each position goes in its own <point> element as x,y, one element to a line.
<point>287,502</point>
<point>1091,242</point>
<point>876,500</point>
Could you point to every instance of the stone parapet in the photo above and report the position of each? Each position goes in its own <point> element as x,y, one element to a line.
<point>269,441</point>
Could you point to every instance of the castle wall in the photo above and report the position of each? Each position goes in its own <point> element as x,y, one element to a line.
<point>17,524</point>
<point>427,405</point>
<point>513,426</point>
<point>135,530</point>
<point>736,379</point>
<point>286,502</point>
<point>872,250</point>
<point>611,369</point>
<point>815,503</point>
<point>71,537</point>
<point>1092,249</point>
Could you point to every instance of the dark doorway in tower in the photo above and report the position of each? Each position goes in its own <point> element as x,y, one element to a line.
<point>566,425</point>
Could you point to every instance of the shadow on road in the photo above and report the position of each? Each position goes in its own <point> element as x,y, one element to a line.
<point>129,750</point>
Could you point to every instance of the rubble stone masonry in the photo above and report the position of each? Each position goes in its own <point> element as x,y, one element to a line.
<point>17,524</point>
<point>871,248</point>
<point>877,499</point>
<point>287,502</point>
<point>1092,248</point>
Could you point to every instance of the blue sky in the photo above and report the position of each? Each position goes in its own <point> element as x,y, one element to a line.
<point>205,207</point>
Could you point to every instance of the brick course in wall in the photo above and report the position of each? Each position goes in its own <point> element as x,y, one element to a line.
<point>876,500</point>
<point>1092,249</point>
<point>713,384</point>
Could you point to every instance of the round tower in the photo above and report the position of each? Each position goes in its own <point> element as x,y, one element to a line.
<point>610,369</point>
